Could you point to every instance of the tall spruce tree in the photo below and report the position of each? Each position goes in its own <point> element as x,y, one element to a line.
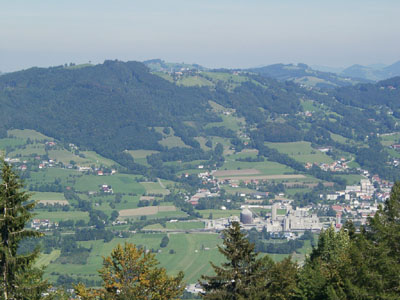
<point>242,274</point>
<point>19,279</point>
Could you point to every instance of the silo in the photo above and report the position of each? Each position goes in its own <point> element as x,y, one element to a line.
<point>246,217</point>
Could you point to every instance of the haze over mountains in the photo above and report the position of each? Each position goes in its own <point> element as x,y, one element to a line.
<point>313,76</point>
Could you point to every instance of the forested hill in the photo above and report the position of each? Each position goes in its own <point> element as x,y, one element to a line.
<point>114,106</point>
<point>108,107</point>
<point>117,106</point>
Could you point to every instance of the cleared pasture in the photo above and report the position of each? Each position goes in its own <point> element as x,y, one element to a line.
<point>225,173</point>
<point>302,152</point>
<point>120,183</point>
<point>219,213</point>
<point>264,167</point>
<point>263,177</point>
<point>28,133</point>
<point>145,211</point>
<point>173,141</point>
<point>154,188</point>
<point>56,216</point>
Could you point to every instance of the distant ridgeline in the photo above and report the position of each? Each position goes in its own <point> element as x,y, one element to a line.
<point>117,105</point>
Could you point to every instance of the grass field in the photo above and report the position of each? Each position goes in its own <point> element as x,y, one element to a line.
<point>56,216</point>
<point>144,211</point>
<point>194,81</point>
<point>309,105</point>
<point>47,176</point>
<point>142,153</point>
<point>264,168</point>
<point>45,259</point>
<point>120,183</point>
<point>139,156</point>
<point>218,213</point>
<point>29,150</point>
<point>202,141</point>
<point>28,133</point>
<point>177,225</point>
<point>65,157</point>
<point>228,121</point>
<point>164,76</point>
<point>352,179</point>
<point>192,255</point>
<point>11,142</point>
<point>265,177</point>
<point>96,159</point>
<point>243,154</point>
<point>390,139</point>
<point>173,141</point>
<point>49,198</point>
<point>154,188</point>
<point>302,152</point>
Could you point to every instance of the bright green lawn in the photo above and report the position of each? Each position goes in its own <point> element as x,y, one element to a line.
<point>302,152</point>
<point>120,183</point>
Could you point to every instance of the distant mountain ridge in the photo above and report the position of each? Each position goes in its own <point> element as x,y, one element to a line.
<point>159,65</point>
<point>373,72</point>
<point>305,75</point>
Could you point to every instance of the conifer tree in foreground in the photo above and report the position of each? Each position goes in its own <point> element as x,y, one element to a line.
<point>239,277</point>
<point>131,273</point>
<point>19,279</point>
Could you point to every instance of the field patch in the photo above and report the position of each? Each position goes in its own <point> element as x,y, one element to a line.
<point>224,173</point>
<point>28,133</point>
<point>390,139</point>
<point>56,216</point>
<point>264,167</point>
<point>120,183</point>
<point>28,150</point>
<point>145,211</point>
<point>154,188</point>
<point>302,152</point>
<point>173,141</point>
<point>142,153</point>
<point>49,198</point>
<point>264,177</point>
<point>11,142</point>
<point>194,81</point>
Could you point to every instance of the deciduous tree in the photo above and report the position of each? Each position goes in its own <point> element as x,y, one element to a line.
<point>131,273</point>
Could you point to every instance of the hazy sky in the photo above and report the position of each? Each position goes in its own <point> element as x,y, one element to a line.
<point>214,33</point>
